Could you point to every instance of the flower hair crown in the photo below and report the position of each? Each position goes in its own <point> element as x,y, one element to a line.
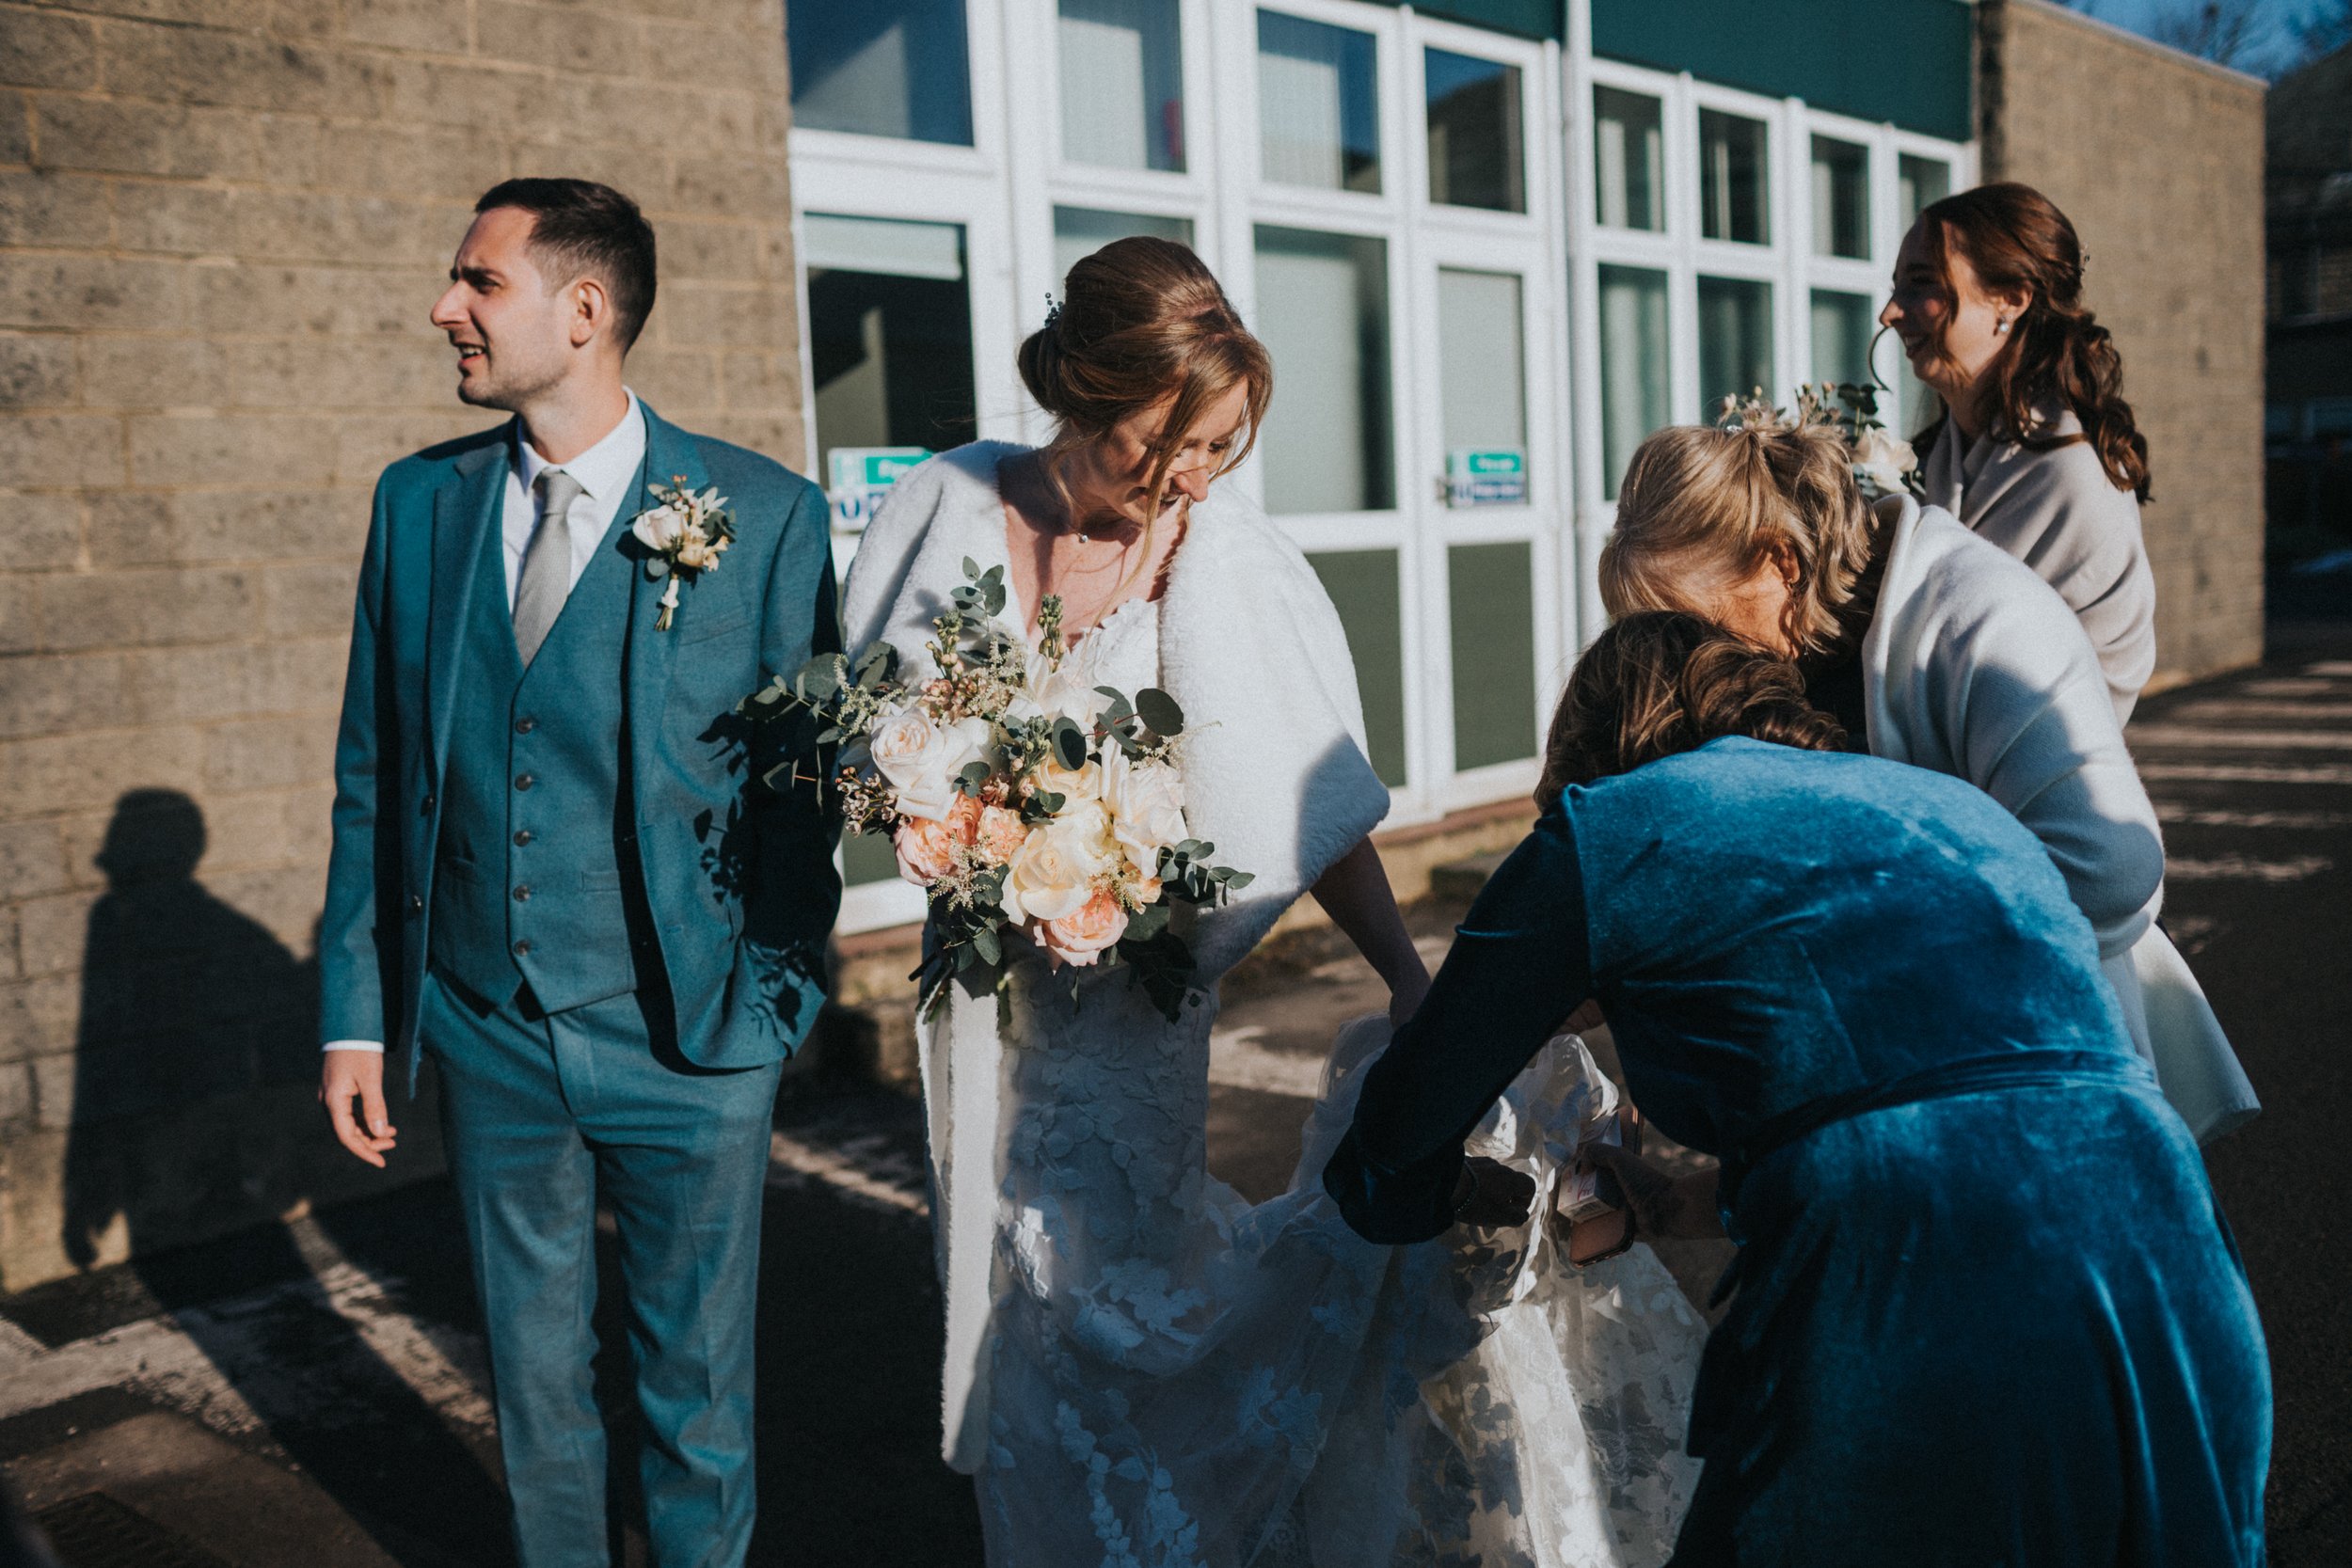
<point>1882,464</point>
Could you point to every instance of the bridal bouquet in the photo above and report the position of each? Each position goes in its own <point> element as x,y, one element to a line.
<point>1884,463</point>
<point>1030,807</point>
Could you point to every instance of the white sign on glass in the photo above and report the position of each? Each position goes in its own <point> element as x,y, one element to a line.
<point>1488,477</point>
<point>860,477</point>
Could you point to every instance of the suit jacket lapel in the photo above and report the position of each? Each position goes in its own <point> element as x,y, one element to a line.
<point>463,513</point>
<point>671,460</point>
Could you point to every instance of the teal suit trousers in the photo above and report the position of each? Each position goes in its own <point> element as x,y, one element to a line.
<point>543,1114</point>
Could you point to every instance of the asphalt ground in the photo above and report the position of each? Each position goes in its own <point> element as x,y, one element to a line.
<point>315,1395</point>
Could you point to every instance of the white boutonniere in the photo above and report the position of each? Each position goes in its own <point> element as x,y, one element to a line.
<point>687,533</point>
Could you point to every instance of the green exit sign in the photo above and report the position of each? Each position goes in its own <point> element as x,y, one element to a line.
<point>873,467</point>
<point>1488,476</point>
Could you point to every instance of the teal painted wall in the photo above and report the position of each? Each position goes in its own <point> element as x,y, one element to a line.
<point>1907,61</point>
<point>1529,19</point>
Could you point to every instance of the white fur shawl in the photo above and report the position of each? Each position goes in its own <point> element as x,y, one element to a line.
<point>1975,668</point>
<point>2059,512</point>
<point>1274,776</point>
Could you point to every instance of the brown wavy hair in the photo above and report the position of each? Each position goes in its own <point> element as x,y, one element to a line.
<point>1701,506</point>
<point>2016,238</point>
<point>1660,683</point>
<point>1143,321</point>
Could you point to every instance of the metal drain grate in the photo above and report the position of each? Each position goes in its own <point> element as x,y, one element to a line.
<point>95,1531</point>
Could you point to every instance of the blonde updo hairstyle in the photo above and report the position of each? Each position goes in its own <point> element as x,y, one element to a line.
<point>1142,322</point>
<point>1702,507</point>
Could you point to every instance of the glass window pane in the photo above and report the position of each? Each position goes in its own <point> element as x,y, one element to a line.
<point>882,67</point>
<point>1364,589</point>
<point>1474,142</point>
<point>1122,83</point>
<point>1482,375</point>
<point>1733,187</point>
<point>1318,104</point>
<point>1920,183</point>
<point>1841,198</point>
<point>867,858</point>
<point>1842,327</point>
<point>1080,232</point>
<point>890,334</point>
<point>1634,367</point>
<point>1490,595</point>
<point>1629,153</point>
<point>1735,342</point>
<point>1323,311</point>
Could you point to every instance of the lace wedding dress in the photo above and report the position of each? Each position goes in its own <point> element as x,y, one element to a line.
<point>1173,1378</point>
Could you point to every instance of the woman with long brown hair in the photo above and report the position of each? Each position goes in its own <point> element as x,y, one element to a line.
<point>2037,450</point>
<point>1987,1310</point>
<point>1140,1366</point>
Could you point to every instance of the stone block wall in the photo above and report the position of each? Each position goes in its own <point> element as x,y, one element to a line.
<point>222,223</point>
<point>2157,158</point>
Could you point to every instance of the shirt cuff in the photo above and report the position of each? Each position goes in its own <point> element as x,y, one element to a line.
<point>376,1046</point>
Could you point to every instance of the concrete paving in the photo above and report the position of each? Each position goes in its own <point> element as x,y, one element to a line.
<point>316,1394</point>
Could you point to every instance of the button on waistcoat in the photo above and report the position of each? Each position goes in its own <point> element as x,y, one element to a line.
<point>528,887</point>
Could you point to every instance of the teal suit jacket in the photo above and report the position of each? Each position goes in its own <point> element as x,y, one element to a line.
<point>738,878</point>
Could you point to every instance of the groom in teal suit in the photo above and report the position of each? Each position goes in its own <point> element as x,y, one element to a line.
<point>557,869</point>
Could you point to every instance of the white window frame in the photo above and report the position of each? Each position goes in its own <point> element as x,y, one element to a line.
<point>1787,262</point>
<point>1003,189</point>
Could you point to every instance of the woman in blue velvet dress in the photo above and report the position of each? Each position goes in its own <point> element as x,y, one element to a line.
<point>1986,1310</point>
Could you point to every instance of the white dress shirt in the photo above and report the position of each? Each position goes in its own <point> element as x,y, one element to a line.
<point>606,472</point>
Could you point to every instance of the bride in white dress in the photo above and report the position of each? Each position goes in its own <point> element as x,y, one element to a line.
<point>1142,1370</point>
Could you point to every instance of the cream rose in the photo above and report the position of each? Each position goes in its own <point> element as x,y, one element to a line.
<point>1053,873</point>
<point>1882,461</point>
<point>925,850</point>
<point>921,759</point>
<point>1074,784</point>
<point>1065,693</point>
<point>1080,937</point>
<point>1147,807</point>
<point>659,528</point>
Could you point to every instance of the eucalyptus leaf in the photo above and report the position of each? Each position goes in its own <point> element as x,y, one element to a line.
<point>1070,745</point>
<point>1147,923</point>
<point>1160,711</point>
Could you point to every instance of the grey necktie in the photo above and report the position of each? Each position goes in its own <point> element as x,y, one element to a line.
<point>547,575</point>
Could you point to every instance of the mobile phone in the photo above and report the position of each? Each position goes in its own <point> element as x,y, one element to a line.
<point>1589,1193</point>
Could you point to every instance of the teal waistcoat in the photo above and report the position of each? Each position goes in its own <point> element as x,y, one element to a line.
<point>534,836</point>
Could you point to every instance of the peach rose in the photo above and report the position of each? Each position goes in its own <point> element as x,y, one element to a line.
<point>999,834</point>
<point>926,851</point>
<point>1079,938</point>
<point>963,818</point>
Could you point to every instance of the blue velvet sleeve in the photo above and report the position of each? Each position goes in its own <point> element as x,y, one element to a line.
<point>1520,963</point>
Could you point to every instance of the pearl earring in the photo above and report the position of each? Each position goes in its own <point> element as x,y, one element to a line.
<point>2001,325</point>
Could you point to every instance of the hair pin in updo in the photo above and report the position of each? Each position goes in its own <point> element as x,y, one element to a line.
<point>1052,311</point>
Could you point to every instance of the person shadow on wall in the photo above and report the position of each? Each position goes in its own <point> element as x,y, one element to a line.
<point>195,1115</point>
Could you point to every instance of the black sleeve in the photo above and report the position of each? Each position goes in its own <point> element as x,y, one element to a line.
<point>1520,963</point>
